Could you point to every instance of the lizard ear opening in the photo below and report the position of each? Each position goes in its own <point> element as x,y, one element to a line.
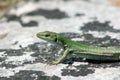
<point>55,40</point>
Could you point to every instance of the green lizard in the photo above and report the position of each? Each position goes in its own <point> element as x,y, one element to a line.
<point>83,51</point>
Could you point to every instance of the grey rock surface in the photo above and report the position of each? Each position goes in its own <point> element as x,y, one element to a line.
<point>24,57</point>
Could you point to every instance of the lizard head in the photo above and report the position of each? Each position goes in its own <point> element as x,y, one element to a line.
<point>48,36</point>
<point>54,38</point>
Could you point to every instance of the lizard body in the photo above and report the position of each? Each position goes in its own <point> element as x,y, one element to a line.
<point>82,50</point>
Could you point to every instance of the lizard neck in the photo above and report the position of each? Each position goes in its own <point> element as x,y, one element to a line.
<point>68,43</point>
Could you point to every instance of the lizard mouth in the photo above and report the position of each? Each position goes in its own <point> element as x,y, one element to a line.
<point>39,35</point>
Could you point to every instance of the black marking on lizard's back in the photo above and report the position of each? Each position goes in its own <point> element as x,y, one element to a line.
<point>98,26</point>
<point>50,14</point>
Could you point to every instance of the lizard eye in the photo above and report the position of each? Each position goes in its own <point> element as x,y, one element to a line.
<point>47,35</point>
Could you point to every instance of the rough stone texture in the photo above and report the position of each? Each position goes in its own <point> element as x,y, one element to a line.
<point>24,57</point>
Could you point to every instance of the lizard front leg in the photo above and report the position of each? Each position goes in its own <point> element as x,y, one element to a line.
<point>61,59</point>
